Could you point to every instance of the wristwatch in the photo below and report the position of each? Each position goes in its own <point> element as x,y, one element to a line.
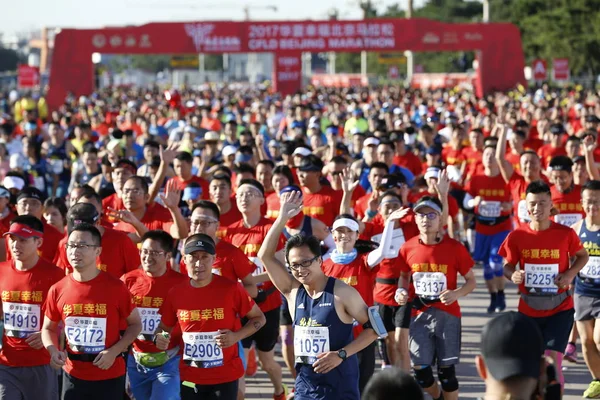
<point>342,354</point>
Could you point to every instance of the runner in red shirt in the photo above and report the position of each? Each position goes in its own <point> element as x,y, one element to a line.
<point>208,309</point>
<point>182,164</point>
<point>24,284</point>
<point>543,250</point>
<point>30,202</point>
<point>489,196</point>
<point>92,304</point>
<point>282,177</point>
<point>432,262</point>
<point>124,170</point>
<point>139,217</point>
<point>320,202</point>
<point>566,196</point>
<point>377,173</point>
<point>473,153</point>
<point>248,235</point>
<point>123,255</point>
<point>556,146</point>
<point>220,194</point>
<point>530,170</point>
<point>335,168</point>
<point>403,156</point>
<point>153,373</point>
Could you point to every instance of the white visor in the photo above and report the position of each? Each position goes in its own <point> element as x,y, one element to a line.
<point>346,222</point>
<point>371,141</point>
<point>13,182</point>
<point>432,173</point>
<point>302,151</point>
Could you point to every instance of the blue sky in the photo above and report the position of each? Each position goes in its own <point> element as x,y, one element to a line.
<point>34,14</point>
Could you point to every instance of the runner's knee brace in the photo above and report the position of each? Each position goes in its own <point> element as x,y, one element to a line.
<point>424,376</point>
<point>448,379</point>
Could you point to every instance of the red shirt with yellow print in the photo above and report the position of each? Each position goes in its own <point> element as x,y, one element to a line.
<point>273,206</point>
<point>23,297</point>
<point>569,205</point>
<point>231,216</point>
<point>493,191</point>
<point>452,156</point>
<point>230,262</point>
<point>357,274</point>
<point>542,255</point>
<point>201,313</point>
<point>149,294</point>
<point>323,205</point>
<point>249,241</point>
<point>156,217</point>
<point>435,268</point>
<point>92,312</point>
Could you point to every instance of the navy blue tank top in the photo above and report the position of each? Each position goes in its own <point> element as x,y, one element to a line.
<point>587,282</point>
<point>340,383</point>
<point>305,230</point>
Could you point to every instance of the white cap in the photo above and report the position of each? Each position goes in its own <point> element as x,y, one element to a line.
<point>212,135</point>
<point>453,173</point>
<point>432,172</point>
<point>313,125</point>
<point>398,111</point>
<point>371,141</point>
<point>301,151</point>
<point>190,104</point>
<point>13,182</point>
<point>228,150</point>
<point>345,222</point>
<point>16,160</point>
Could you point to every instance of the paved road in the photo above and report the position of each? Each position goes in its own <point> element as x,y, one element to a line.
<point>474,317</point>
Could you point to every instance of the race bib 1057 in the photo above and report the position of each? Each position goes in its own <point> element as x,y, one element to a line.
<point>310,341</point>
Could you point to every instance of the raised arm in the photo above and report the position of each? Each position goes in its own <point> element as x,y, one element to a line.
<point>179,229</point>
<point>442,187</point>
<point>291,205</point>
<point>166,158</point>
<point>589,145</point>
<point>506,168</point>
<point>377,255</point>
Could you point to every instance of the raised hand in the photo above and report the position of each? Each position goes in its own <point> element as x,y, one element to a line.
<point>442,185</point>
<point>290,204</point>
<point>348,182</point>
<point>590,143</point>
<point>399,213</point>
<point>172,195</point>
<point>122,215</point>
<point>168,154</point>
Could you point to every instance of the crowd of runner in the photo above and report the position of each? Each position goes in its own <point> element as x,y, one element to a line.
<point>163,243</point>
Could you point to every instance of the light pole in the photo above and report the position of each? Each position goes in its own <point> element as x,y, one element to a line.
<point>410,61</point>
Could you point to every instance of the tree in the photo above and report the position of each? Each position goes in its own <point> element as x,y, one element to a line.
<point>9,60</point>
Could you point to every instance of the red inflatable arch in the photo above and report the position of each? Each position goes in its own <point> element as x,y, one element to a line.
<point>501,60</point>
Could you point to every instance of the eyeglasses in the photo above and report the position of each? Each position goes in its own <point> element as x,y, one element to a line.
<point>203,223</point>
<point>151,253</point>
<point>302,264</point>
<point>80,246</point>
<point>430,216</point>
<point>134,192</point>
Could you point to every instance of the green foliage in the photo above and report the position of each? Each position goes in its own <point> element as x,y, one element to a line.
<point>9,60</point>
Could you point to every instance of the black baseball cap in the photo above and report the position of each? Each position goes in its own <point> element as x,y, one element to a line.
<point>512,345</point>
<point>392,181</point>
<point>311,163</point>
<point>592,119</point>
<point>199,242</point>
<point>557,129</point>
<point>82,213</point>
<point>31,192</point>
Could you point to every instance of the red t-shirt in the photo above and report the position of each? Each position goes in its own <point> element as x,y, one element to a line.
<point>515,160</point>
<point>546,152</point>
<point>448,257</point>
<point>119,254</point>
<point>452,203</point>
<point>551,249</point>
<point>181,184</point>
<point>533,144</point>
<point>249,240</point>
<point>362,205</point>
<point>357,274</point>
<point>92,312</point>
<point>452,156</point>
<point>5,222</point>
<point>409,161</point>
<point>231,216</point>
<point>493,190</point>
<point>114,202</point>
<point>149,294</point>
<point>23,297</point>
<point>474,161</point>
<point>356,194</point>
<point>156,217</point>
<point>219,305</point>
<point>49,249</point>
<point>273,206</point>
<point>323,205</point>
<point>230,262</point>
<point>569,205</point>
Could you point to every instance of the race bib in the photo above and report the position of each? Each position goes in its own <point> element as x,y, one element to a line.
<point>522,212</point>
<point>540,278</point>
<point>56,166</point>
<point>490,209</point>
<point>394,247</point>
<point>310,341</point>
<point>150,320</point>
<point>202,350</point>
<point>567,219</point>
<point>21,320</point>
<point>86,334</point>
<point>591,269</point>
<point>429,284</point>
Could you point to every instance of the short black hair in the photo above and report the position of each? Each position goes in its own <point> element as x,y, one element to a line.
<point>284,170</point>
<point>224,169</point>
<point>244,168</point>
<point>392,380</point>
<point>245,150</point>
<point>222,178</point>
<point>253,182</point>
<point>339,160</point>
<point>538,187</point>
<point>391,193</point>
<point>387,142</point>
<point>89,147</point>
<point>267,162</point>
<point>561,163</point>
<point>141,180</point>
<point>30,221</point>
<point>163,238</point>
<point>184,156</point>
<point>573,138</point>
<point>380,165</point>
<point>533,153</point>
<point>288,147</point>
<point>207,205</point>
<point>84,227</point>
<point>92,196</point>
<point>520,133</point>
<point>86,189</point>
<point>59,204</point>
<point>152,143</point>
<point>590,185</point>
<point>300,240</point>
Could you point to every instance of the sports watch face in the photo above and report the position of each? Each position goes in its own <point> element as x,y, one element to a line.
<point>342,354</point>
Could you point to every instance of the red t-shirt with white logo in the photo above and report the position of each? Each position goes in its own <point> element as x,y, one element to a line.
<point>201,313</point>
<point>357,274</point>
<point>91,312</point>
<point>23,297</point>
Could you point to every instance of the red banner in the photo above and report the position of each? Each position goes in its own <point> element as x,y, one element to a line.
<point>338,80</point>
<point>287,72</point>
<point>28,77</point>
<point>560,69</point>
<point>501,65</point>
<point>442,81</point>
<point>539,70</point>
